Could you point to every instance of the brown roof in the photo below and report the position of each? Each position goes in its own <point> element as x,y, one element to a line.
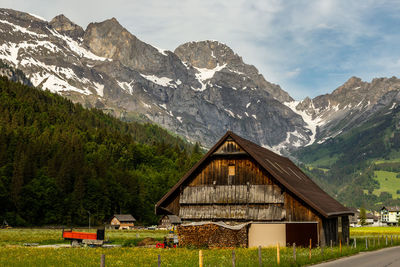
<point>174,219</point>
<point>395,208</point>
<point>284,171</point>
<point>125,217</point>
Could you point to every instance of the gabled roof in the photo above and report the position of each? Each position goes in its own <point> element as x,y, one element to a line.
<point>393,209</point>
<point>174,219</point>
<point>124,217</point>
<point>354,210</point>
<point>283,170</point>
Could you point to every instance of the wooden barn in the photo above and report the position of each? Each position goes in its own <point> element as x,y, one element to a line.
<point>122,221</point>
<point>240,182</point>
<point>169,221</point>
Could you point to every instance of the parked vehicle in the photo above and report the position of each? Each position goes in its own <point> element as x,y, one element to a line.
<point>83,237</point>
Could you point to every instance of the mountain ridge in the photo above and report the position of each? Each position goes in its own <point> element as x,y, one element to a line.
<point>202,89</point>
<point>109,67</point>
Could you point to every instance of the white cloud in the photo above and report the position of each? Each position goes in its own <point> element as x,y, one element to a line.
<point>293,73</point>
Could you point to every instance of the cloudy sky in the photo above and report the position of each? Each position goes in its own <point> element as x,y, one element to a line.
<point>308,47</point>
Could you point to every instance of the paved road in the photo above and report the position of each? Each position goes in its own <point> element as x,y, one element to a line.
<point>388,257</point>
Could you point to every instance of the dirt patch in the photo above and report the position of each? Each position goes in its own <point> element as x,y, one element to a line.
<point>147,242</point>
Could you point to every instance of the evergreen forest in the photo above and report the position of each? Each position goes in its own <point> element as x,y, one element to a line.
<point>60,162</point>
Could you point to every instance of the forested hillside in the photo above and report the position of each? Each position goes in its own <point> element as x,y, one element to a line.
<point>59,161</point>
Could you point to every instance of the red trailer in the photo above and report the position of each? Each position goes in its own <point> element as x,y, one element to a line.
<point>88,238</point>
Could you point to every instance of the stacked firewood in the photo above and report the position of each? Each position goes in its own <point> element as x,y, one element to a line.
<point>211,235</point>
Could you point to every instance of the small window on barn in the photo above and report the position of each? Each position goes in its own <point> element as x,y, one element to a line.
<point>231,173</point>
<point>231,170</point>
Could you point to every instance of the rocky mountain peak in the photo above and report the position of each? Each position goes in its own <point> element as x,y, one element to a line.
<point>214,55</point>
<point>207,54</point>
<point>354,83</point>
<point>111,40</point>
<point>65,26</point>
<point>200,97</point>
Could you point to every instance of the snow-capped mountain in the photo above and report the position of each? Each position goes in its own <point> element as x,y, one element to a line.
<point>198,91</point>
<point>346,107</point>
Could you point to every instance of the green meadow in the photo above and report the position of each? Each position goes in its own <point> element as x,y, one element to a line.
<point>388,183</point>
<point>14,253</point>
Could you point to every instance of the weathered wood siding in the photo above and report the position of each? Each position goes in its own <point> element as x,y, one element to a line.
<point>345,228</point>
<point>330,231</point>
<point>250,194</point>
<point>216,171</point>
<point>230,194</point>
<point>232,212</point>
<point>229,146</point>
<point>298,212</point>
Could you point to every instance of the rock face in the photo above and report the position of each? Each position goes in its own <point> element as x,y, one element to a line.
<point>199,91</point>
<point>14,75</point>
<point>109,39</point>
<point>348,106</point>
<point>64,26</point>
<point>213,54</point>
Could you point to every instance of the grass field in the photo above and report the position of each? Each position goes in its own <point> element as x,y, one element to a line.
<point>396,160</point>
<point>13,253</point>
<point>374,231</point>
<point>22,256</point>
<point>53,236</point>
<point>388,183</point>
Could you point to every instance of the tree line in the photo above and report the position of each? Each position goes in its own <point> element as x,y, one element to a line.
<point>59,161</point>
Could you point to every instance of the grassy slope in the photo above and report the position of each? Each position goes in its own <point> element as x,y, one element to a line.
<point>388,183</point>
<point>347,157</point>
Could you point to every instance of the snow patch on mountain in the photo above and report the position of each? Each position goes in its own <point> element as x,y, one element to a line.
<point>57,85</point>
<point>17,28</point>
<point>76,48</point>
<point>126,86</point>
<point>312,124</point>
<point>38,17</point>
<point>204,74</point>
<point>99,88</point>
<point>163,81</point>
<point>230,112</point>
<point>161,51</point>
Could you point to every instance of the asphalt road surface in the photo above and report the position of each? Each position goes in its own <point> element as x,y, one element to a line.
<point>388,257</point>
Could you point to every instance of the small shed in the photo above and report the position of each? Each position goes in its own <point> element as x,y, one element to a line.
<point>169,221</point>
<point>354,219</point>
<point>122,221</point>
<point>5,224</point>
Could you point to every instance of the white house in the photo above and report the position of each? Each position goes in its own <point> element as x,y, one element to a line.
<point>390,215</point>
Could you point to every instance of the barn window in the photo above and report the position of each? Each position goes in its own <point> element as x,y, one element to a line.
<point>231,170</point>
<point>231,173</point>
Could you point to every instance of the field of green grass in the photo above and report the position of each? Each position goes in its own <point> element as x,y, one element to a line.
<point>28,256</point>
<point>388,183</point>
<point>16,236</point>
<point>13,253</point>
<point>311,167</point>
<point>375,231</point>
<point>397,160</point>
